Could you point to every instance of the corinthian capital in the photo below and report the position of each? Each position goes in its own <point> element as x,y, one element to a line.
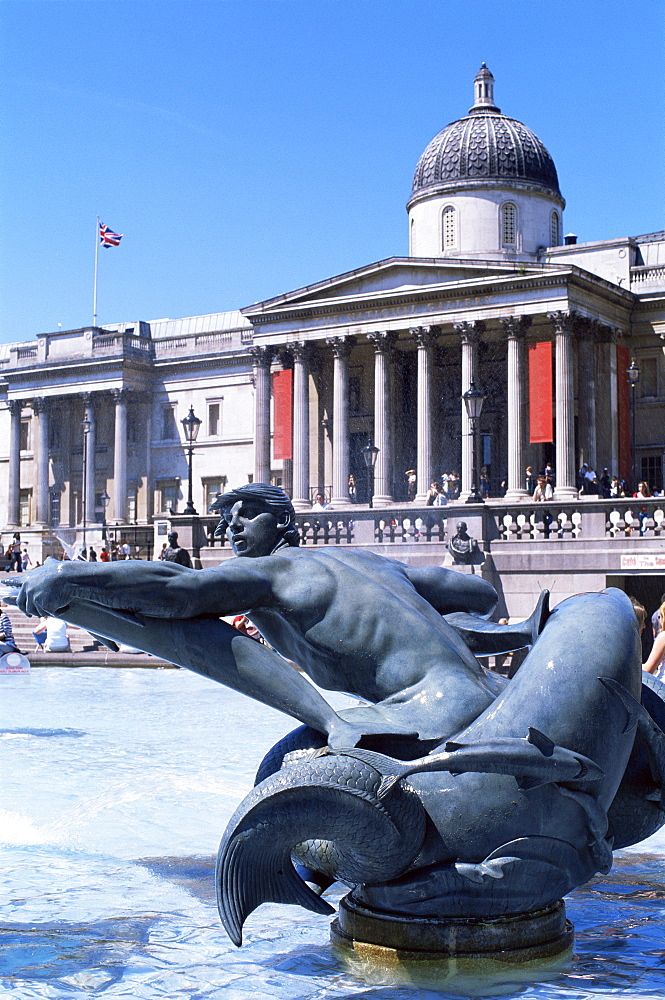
<point>40,405</point>
<point>382,341</point>
<point>341,346</point>
<point>563,322</point>
<point>515,327</point>
<point>261,356</point>
<point>470,333</point>
<point>301,351</point>
<point>425,336</point>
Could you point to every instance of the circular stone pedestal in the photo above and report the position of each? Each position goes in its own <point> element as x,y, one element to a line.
<point>537,935</point>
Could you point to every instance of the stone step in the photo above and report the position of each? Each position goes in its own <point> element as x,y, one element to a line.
<point>85,650</point>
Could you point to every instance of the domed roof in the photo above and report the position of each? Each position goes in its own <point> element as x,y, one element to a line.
<point>485,145</point>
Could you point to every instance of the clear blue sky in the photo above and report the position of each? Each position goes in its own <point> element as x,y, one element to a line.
<point>248,147</point>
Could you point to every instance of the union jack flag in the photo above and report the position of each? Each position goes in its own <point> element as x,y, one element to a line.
<point>107,238</point>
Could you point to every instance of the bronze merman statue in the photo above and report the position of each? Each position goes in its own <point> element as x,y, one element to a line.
<point>469,796</point>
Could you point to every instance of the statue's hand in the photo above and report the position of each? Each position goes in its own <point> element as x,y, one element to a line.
<point>365,720</point>
<point>46,589</point>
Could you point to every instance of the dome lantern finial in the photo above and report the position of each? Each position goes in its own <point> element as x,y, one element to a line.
<point>483,92</point>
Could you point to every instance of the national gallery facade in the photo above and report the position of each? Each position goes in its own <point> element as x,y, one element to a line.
<point>290,390</point>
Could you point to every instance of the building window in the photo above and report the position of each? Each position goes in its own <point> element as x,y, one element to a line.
<point>214,419</point>
<point>132,507</point>
<point>25,434</point>
<point>169,425</point>
<point>448,226</point>
<point>168,494</point>
<point>652,471</point>
<point>54,508</point>
<point>25,502</point>
<point>132,429</point>
<point>54,435</point>
<point>555,238</point>
<point>211,489</point>
<point>508,225</point>
<point>648,382</point>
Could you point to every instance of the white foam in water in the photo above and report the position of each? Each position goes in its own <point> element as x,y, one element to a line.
<point>116,788</point>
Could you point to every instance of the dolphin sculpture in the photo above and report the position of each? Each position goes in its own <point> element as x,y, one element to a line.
<point>491,822</point>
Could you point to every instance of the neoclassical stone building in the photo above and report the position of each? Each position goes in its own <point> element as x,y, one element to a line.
<point>291,389</point>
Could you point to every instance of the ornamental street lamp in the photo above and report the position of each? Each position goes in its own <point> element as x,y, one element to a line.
<point>191,426</point>
<point>370,453</point>
<point>85,425</point>
<point>473,401</point>
<point>633,376</point>
<point>104,500</point>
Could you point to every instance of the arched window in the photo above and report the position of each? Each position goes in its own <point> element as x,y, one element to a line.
<point>448,228</point>
<point>508,225</point>
<point>555,238</point>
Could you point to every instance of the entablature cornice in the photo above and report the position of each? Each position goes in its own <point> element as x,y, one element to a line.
<point>426,300</point>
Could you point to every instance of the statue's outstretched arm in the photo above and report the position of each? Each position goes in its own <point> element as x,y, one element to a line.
<point>106,601</point>
<point>448,591</point>
<point>159,589</point>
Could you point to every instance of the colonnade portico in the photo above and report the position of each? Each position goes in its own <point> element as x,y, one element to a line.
<point>574,337</point>
<point>73,437</point>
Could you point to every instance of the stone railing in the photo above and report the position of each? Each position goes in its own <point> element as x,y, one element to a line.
<point>497,525</point>
<point>585,520</point>
<point>196,344</point>
<point>647,277</point>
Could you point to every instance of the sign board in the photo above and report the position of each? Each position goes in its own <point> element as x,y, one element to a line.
<point>644,560</point>
<point>14,665</point>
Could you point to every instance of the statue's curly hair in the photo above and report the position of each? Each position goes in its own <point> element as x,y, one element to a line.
<point>271,497</point>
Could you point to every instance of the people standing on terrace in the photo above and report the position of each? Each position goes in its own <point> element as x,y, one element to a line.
<point>543,490</point>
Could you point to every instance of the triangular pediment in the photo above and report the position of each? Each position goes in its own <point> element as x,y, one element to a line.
<point>391,275</point>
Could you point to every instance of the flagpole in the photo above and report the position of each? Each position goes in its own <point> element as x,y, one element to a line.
<point>94,291</point>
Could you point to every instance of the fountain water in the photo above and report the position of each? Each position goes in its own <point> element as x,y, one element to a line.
<point>117,785</point>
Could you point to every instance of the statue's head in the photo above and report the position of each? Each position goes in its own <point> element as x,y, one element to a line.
<point>173,539</point>
<point>256,519</point>
<point>461,528</point>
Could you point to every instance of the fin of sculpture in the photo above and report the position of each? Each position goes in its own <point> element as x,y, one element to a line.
<point>485,638</point>
<point>329,798</point>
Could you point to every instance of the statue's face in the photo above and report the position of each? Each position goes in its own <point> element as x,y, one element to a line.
<point>252,530</point>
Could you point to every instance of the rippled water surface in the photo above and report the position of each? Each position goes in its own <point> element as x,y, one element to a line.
<point>116,788</point>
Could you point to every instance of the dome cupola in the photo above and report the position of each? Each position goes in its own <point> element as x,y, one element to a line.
<point>472,168</point>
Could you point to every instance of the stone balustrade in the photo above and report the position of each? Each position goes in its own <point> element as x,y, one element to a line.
<point>498,526</point>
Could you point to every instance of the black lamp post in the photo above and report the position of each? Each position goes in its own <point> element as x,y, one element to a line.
<point>105,500</point>
<point>473,400</point>
<point>191,425</point>
<point>86,425</point>
<point>370,452</point>
<point>633,376</point>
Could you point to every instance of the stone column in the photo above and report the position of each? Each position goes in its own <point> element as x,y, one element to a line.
<point>565,406</point>
<point>469,334</point>
<point>341,348</point>
<point>149,483</point>
<point>587,335</point>
<point>261,359</point>
<point>383,470</point>
<point>301,499</point>
<point>120,457</point>
<point>40,408</point>
<point>425,337</point>
<point>90,445</point>
<point>14,472</point>
<point>609,399</point>
<point>514,329</point>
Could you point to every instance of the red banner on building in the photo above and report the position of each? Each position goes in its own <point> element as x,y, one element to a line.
<point>541,416</point>
<point>282,392</point>
<point>623,405</point>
